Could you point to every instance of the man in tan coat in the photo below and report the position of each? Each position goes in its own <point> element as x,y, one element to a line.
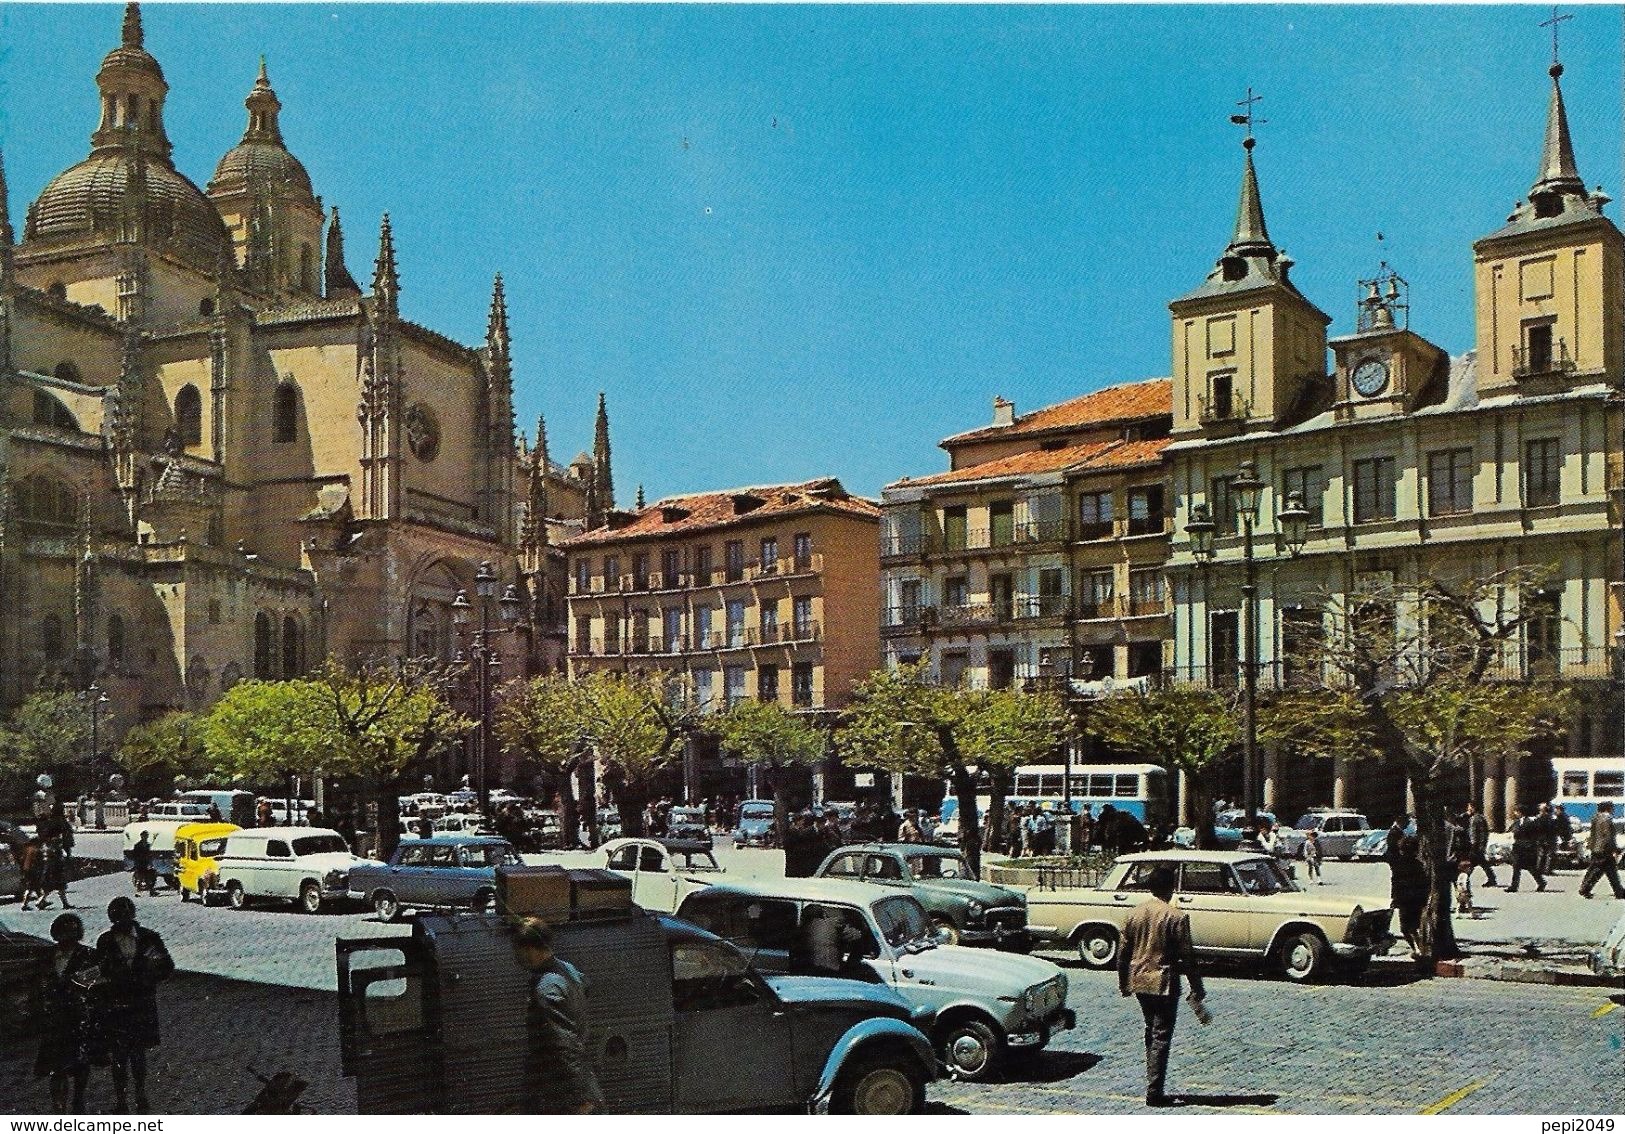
<point>1155,953</point>
<point>1600,852</point>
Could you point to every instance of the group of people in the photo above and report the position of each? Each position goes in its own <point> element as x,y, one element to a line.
<point>101,1007</point>
<point>43,861</point>
<point>1030,829</point>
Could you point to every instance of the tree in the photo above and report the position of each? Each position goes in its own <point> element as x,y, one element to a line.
<point>901,721</point>
<point>634,723</point>
<point>164,748</point>
<point>48,732</point>
<point>543,722</point>
<point>1183,728</point>
<point>1427,678</point>
<point>771,737</point>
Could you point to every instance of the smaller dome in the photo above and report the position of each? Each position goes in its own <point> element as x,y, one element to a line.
<point>249,163</point>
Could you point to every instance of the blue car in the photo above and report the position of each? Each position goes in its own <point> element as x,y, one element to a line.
<point>755,824</point>
<point>1227,829</point>
<point>445,872</point>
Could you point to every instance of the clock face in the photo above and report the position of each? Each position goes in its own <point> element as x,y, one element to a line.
<point>1371,377</point>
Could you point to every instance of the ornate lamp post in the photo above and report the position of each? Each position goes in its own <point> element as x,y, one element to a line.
<point>1246,490</point>
<point>98,701</point>
<point>486,662</point>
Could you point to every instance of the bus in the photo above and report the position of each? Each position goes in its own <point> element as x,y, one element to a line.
<point>1139,789</point>
<point>1585,781</point>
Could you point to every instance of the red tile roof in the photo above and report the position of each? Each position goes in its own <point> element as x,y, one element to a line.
<point>1095,455</point>
<point>684,514</point>
<point>1150,398</point>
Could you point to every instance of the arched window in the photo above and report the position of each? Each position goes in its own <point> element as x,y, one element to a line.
<point>50,638</point>
<point>285,414</point>
<point>67,372</point>
<point>189,415</point>
<point>292,662</point>
<point>115,643</point>
<point>264,648</point>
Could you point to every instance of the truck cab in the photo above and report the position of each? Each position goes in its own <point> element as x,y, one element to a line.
<point>438,1023</point>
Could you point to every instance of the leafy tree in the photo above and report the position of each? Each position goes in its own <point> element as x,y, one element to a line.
<point>1183,728</point>
<point>1426,678</point>
<point>634,723</point>
<point>48,732</point>
<point>543,722</point>
<point>774,739</point>
<point>901,721</point>
<point>164,748</point>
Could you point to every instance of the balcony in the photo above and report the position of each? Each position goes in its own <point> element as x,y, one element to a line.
<point>1146,608</point>
<point>895,546</point>
<point>1222,416</point>
<point>1096,529</point>
<point>1517,663</point>
<point>1542,360</point>
<point>1154,524</point>
<point>1041,606</point>
<point>1096,608</point>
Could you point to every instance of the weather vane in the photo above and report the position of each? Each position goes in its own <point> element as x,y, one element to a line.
<point>1553,24</point>
<point>1248,118</point>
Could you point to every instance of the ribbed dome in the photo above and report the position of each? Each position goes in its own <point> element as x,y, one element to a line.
<point>87,201</point>
<point>249,163</point>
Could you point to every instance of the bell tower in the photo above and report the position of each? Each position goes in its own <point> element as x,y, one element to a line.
<point>1247,341</point>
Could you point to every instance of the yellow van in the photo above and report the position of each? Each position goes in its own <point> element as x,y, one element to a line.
<point>196,845</point>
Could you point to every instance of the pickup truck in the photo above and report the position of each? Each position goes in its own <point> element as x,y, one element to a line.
<point>445,872</point>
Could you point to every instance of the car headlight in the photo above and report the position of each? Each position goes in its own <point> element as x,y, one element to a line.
<point>975,910</point>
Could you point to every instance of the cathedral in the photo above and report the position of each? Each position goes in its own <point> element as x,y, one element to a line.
<point>221,458</point>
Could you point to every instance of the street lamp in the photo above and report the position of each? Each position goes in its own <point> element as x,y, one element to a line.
<point>486,661</point>
<point>98,700</point>
<point>1246,491</point>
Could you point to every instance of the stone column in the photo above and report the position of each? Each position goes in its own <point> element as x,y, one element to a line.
<point>1272,778</point>
<point>1490,792</point>
<point>1509,791</point>
<point>1184,790</point>
<point>1410,797</point>
<point>1340,781</point>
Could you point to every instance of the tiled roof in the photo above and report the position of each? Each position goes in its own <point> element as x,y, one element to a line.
<point>683,514</point>
<point>1114,403</point>
<point>1073,458</point>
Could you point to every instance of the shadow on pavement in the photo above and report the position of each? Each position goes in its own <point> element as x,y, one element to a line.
<point>1053,1067</point>
<point>1388,974</point>
<point>1226,1100</point>
<point>942,1108</point>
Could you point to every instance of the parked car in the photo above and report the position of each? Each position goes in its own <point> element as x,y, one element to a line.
<point>445,872</point>
<point>430,805</point>
<point>755,828</point>
<point>176,811</point>
<point>609,823</point>
<point>1340,831</point>
<point>1373,845</point>
<point>304,865</point>
<point>197,858</point>
<point>1228,827</point>
<point>682,1023</point>
<point>688,823</point>
<point>11,873</point>
<point>1243,906</point>
<point>981,1005</point>
<point>966,911</point>
<point>301,811</point>
<point>462,800</point>
<point>663,871</point>
<point>462,823</point>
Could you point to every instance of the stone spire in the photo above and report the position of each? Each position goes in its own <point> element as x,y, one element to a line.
<point>534,532</point>
<point>1251,237</point>
<point>263,108</point>
<point>386,280</point>
<point>496,324</point>
<point>640,504</point>
<point>132,35</point>
<point>1558,172</point>
<point>340,283</point>
<point>602,496</point>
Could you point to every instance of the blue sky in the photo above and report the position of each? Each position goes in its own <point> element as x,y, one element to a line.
<point>798,241</point>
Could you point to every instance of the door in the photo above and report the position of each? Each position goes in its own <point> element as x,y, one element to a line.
<point>1218,909</point>
<point>733,1049</point>
<point>408,877</point>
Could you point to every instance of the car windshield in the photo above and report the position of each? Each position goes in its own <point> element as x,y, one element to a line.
<point>319,844</point>
<point>756,811</point>
<point>903,922</point>
<point>1264,876</point>
<point>939,866</point>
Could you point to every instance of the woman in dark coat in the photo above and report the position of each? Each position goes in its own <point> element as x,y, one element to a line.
<point>134,961</point>
<point>1409,890</point>
<point>64,1053</point>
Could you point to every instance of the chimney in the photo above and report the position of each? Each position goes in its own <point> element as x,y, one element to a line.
<point>1004,411</point>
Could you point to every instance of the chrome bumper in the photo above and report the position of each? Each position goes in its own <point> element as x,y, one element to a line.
<point>1060,1020</point>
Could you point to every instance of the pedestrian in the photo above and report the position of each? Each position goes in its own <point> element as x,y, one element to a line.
<point>1155,954</point>
<point>1464,888</point>
<point>909,832</point>
<point>1478,842</point>
<point>824,944</point>
<point>1083,829</point>
<point>141,864</point>
<point>1269,839</point>
<point>559,1070</point>
<point>1600,852</point>
<point>1012,831</point>
<point>1527,835</point>
<point>63,1056</point>
<point>214,813</point>
<point>1545,839</point>
<point>1312,856</point>
<point>424,826</point>
<point>1396,835</point>
<point>56,838</point>
<point>263,816</point>
<point>133,962</point>
<point>1408,889</point>
<point>803,847</point>
<point>1562,832</point>
<point>32,864</point>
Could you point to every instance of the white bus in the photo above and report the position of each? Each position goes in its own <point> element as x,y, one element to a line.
<point>1585,781</point>
<point>1139,789</point>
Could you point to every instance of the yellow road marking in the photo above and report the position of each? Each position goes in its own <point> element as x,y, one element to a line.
<point>1452,1098</point>
<point>1604,1010</point>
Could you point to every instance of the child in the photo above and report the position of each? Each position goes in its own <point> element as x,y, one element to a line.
<point>1464,887</point>
<point>1312,855</point>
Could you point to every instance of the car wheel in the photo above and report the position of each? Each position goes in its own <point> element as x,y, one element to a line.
<point>485,901</point>
<point>235,897</point>
<point>386,906</point>
<point>884,1083</point>
<point>1097,947</point>
<point>970,1049</point>
<point>949,931</point>
<point>1300,956</point>
<point>310,898</point>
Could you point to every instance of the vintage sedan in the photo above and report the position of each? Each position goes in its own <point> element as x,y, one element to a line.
<point>1228,827</point>
<point>964,910</point>
<point>663,871</point>
<point>445,872</point>
<point>1339,831</point>
<point>755,826</point>
<point>1243,906</point>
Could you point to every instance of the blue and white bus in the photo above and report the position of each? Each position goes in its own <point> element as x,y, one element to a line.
<point>1585,781</point>
<point>1139,789</point>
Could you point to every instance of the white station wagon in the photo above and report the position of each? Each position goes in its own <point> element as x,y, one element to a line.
<point>303,865</point>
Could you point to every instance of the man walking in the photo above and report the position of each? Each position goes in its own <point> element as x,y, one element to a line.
<point>1545,839</point>
<point>559,1064</point>
<point>1155,953</point>
<point>1600,852</point>
<point>1528,832</point>
<point>1477,830</point>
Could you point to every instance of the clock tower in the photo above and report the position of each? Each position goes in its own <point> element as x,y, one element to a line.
<point>1385,368</point>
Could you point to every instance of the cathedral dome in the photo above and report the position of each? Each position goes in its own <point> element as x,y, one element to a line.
<point>269,163</point>
<point>95,199</point>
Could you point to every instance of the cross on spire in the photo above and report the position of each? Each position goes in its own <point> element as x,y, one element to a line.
<point>1247,118</point>
<point>1554,23</point>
